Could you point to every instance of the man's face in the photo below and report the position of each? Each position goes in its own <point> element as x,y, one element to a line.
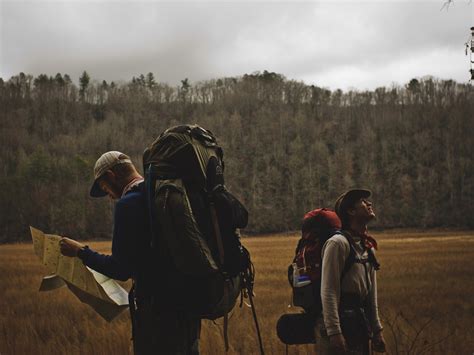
<point>109,185</point>
<point>362,210</point>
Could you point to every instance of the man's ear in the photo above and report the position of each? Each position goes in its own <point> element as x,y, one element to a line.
<point>351,211</point>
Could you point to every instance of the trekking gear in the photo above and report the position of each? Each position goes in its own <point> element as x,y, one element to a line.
<point>195,222</point>
<point>369,244</point>
<point>296,328</point>
<point>304,274</point>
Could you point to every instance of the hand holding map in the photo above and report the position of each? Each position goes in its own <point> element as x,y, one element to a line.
<point>102,293</point>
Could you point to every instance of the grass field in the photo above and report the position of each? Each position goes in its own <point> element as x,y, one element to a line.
<point>425,286</point>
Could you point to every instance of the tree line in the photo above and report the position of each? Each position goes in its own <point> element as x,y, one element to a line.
<point>288,147</point>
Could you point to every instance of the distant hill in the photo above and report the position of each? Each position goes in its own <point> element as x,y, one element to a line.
<point>288,147</point>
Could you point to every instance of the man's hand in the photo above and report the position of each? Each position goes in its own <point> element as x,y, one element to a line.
<point>337,343</point>
<point>378,343</point>
<point>70,247</point>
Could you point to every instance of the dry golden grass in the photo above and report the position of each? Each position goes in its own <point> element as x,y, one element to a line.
<point>424,276</point>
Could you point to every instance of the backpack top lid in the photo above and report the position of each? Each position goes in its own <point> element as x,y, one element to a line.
<point>182,152</point>
<point>320,221</point>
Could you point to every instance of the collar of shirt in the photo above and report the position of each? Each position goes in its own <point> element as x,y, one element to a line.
<point>131,185</point>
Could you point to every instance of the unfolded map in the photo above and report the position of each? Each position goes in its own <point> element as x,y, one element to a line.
<point>100,292</point>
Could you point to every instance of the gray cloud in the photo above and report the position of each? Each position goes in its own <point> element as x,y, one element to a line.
<point>332,44</point>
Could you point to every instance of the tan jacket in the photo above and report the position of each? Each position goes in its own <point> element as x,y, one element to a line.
<point>334,255</point>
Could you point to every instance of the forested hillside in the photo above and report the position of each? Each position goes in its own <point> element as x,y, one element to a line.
<point>288,147</point>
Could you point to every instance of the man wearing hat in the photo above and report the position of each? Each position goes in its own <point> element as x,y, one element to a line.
<point>348,281</point>
<point>155,330</point>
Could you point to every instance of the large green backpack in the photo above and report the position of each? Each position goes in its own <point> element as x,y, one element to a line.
<point>195,221</point>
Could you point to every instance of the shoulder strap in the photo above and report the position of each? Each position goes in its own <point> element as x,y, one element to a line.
<point>149,188</point>
<point>301,243</point>
<point>352,258</point>
<point>352,253</point>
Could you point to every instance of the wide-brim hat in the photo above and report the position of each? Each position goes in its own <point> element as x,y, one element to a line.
<point>106,162</point>
<point>347,199</point>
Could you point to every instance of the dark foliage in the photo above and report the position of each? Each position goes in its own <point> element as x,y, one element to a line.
<point>289,147</point>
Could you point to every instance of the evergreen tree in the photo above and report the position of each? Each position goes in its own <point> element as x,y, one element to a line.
<point>83,85</point>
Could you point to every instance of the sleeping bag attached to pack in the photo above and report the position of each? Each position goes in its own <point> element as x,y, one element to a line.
<point>195,223</point>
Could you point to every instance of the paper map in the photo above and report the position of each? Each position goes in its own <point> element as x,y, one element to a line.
<point>100,292</point>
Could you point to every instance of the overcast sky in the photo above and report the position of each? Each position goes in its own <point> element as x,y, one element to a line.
<point>334,44</point>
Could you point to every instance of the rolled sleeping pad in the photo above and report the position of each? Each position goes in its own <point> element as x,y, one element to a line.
<point>296,328</point>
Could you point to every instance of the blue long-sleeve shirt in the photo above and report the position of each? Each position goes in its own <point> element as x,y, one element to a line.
<point>130,243</point>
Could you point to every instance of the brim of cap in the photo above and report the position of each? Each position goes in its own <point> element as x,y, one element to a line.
<point>96,191</point>
<point>357,194</point>
<point>346,197</point>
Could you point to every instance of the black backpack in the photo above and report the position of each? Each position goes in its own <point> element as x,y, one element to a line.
<point>195,222</point>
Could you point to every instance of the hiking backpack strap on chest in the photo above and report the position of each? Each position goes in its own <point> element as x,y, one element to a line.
<point>355,257</point>
<point>368,302</point>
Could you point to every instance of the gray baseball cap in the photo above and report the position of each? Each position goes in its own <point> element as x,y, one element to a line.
<point>106,162</point>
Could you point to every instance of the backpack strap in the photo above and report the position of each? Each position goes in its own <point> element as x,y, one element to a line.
<point>220,248</point>
<point>149,186</point>
<point>351,259</point>
<point>299,246</point>
<point>217,232</point>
